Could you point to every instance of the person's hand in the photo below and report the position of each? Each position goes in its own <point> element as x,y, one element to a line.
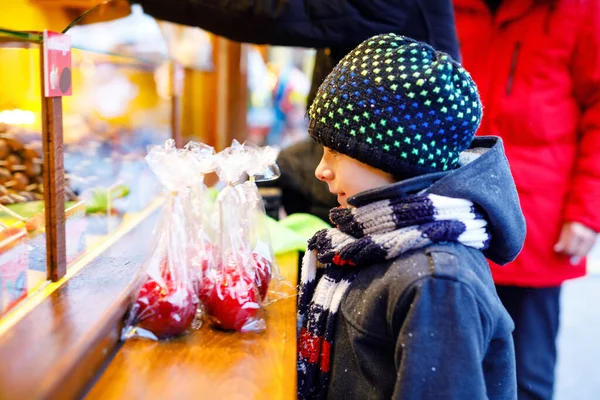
<point>576,240</point>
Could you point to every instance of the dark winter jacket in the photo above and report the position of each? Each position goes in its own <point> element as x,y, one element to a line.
<point>429,325</point>
<point>335,25</point>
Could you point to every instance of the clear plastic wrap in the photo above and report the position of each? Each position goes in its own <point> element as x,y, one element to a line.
<point>229,290</point>
<point>202,249</point>
<point>262,167</point>
<point>168,296</point>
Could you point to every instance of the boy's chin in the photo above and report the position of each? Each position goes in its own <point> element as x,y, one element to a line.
<point>342,200</point>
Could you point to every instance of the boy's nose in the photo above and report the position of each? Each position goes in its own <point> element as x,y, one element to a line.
<point>323,172</point>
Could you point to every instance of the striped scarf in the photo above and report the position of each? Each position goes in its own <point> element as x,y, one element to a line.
<point>364,236</point>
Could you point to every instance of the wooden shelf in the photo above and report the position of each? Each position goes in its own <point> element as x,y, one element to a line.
<point>60,345</point>
<point>210,363</point>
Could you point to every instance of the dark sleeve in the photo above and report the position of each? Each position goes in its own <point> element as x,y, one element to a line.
<point>292,196</point>
<point>313,23</point>
<point>440,343</point>
<point>301,191</point>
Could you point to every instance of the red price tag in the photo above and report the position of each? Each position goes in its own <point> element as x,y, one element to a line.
<point>57,64</point>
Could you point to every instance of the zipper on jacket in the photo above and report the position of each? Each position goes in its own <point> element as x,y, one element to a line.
<point>513,68</point>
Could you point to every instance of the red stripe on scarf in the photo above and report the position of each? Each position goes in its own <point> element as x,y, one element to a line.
<point>312,348</point>
<point>325,356</point>
<point>337,260</point>
<point>309,346</point>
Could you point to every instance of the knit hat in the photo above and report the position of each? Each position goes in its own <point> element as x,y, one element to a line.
<point>398,105</point>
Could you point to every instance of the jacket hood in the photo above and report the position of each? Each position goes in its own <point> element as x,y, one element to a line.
<point>485,179</point>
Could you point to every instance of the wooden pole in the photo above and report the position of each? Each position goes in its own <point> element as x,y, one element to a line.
<point>177,82</point>
<point>222,126</point>
<point>54,182</point>
<point>231,96</point>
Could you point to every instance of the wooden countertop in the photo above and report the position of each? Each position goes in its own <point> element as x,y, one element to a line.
<point>210,364</point>
<point>53,346</point>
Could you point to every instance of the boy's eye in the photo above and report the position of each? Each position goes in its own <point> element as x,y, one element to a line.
<point>333,153</point>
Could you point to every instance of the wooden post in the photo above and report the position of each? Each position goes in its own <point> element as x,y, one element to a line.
<point>54,182</point>
<point>177,82</point>
<point>232,89</point>
<point>222,127</point>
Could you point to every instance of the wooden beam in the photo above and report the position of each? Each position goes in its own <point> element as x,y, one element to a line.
<point>232,92</point>
<point>177,82</point>
<point>222,122</point>
<point>54,182</point>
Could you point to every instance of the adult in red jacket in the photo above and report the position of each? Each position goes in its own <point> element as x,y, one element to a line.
<point>537,65</point>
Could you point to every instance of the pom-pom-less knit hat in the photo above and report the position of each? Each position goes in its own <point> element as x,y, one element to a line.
<point>398,105</point>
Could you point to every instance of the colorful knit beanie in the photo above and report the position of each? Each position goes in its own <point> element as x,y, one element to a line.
<point>398,105</point>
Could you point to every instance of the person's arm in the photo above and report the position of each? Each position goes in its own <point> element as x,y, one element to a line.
<point>582,214</point>
<point>313,23</point>
<point>441,342</point>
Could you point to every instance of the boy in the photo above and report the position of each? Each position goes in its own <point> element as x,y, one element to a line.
<point>398,301</point>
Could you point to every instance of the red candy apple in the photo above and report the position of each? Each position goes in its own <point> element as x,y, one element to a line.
<point>202,255</point>
<point>207,255</point>
<point>263,274</point>
<point>166,308</point>
<point>230,298</point>
<point>195,271</point>
<point>199,258</point>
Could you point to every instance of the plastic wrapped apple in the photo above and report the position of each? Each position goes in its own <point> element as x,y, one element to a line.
<point>167,303</point>
<point>206,254</point>
<point>262,167</point>
<point>263,274</point>
<point>233,300</point>
<point>211,275</point>
<point>201,257</point>
<point>230,297</point>
<point>165,308</point>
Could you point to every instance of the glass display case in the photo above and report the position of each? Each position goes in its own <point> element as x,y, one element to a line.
<point>22,244</point>
<point>121,105</point>
<point>127,79</point>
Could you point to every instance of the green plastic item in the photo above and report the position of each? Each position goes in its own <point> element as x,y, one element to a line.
<point>292,233</point>
<point>98,203</point>
<point>283,239</point>
<point>213,193</point>
<point>26,210</point>
<point>304,225</point>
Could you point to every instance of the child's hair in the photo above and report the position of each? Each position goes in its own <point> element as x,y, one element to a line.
<point>398,105</point>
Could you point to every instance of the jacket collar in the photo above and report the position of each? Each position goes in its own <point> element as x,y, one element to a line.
<point>399,189</point>
<point>485,181</point>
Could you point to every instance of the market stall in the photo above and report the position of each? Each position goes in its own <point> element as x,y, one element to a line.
<point>78,207</point>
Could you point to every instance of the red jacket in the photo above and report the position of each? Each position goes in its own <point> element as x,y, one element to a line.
<point>537,65</point>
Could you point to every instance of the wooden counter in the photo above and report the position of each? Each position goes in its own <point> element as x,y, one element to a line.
<point>210,364</point>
